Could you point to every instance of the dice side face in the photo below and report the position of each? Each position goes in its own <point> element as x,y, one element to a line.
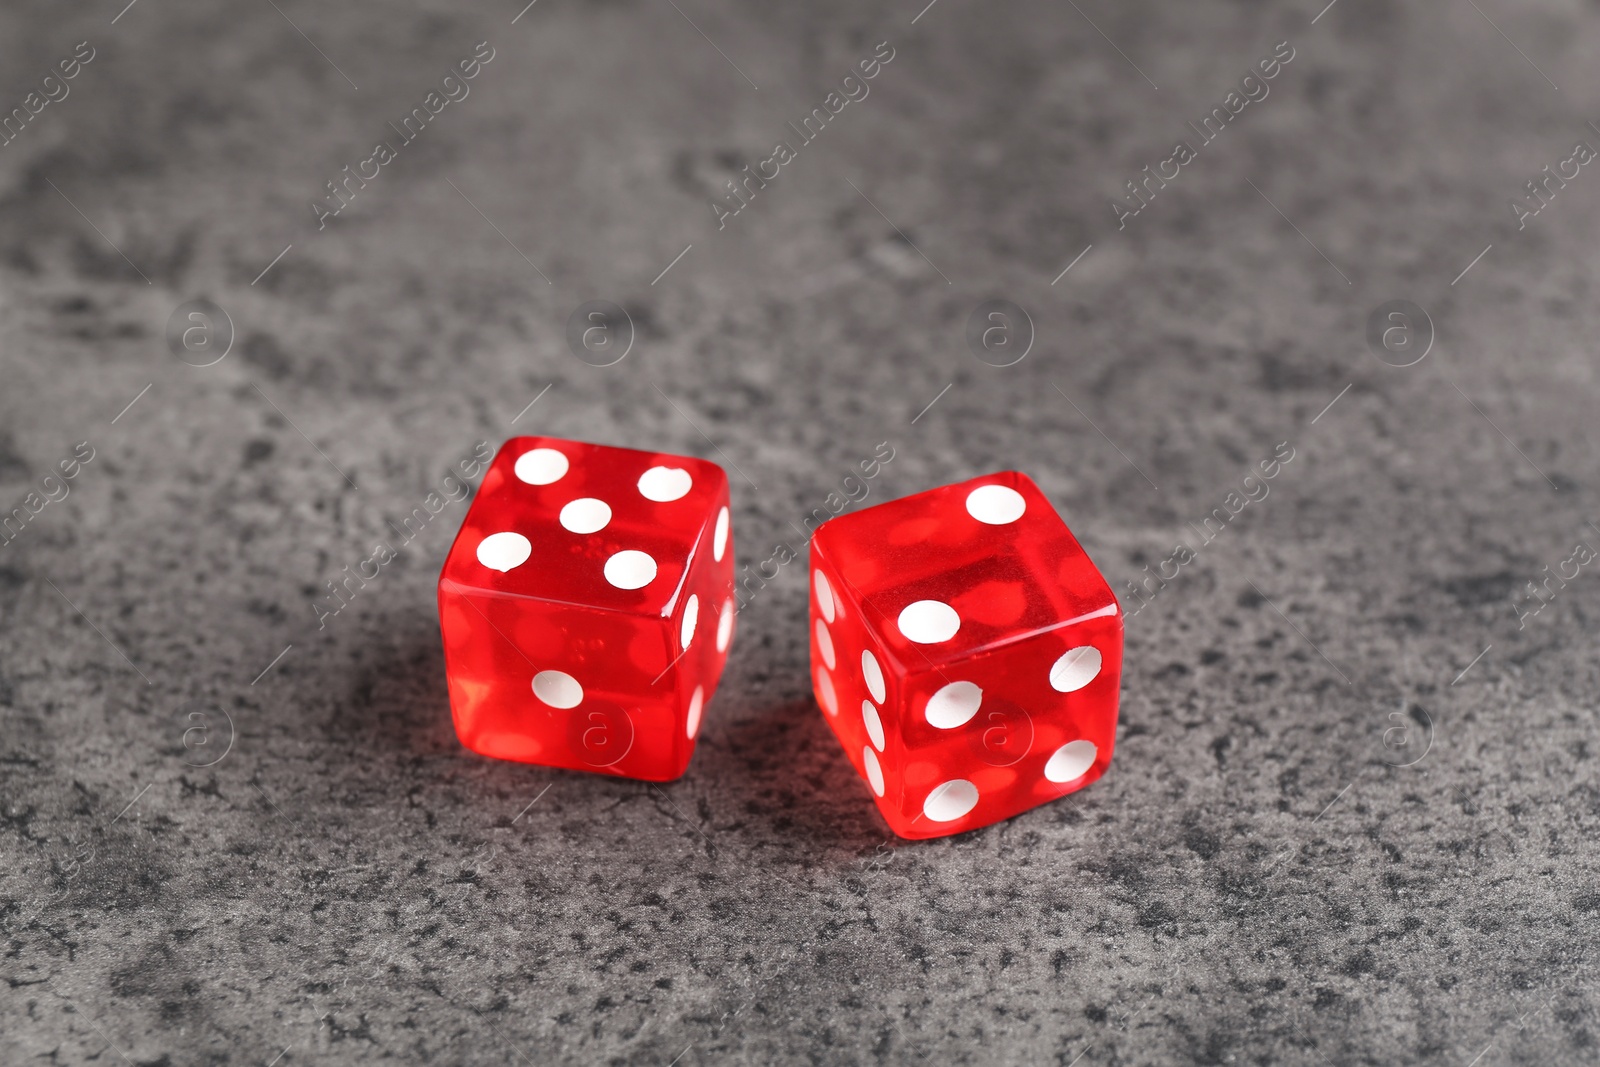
<point>701,629</point>
<point>616,683</point>
<point>999,644</point>
<point>854,685</point>
<point>562,686</point>
<point>1008,730</point>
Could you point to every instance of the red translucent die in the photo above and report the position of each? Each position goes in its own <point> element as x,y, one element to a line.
<point>587,607</point>
<point>966,652</point>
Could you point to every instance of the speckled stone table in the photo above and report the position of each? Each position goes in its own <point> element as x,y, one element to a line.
<point>1353,812</point>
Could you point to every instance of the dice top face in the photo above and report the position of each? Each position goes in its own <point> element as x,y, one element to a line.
<point>575,523</point>
<point>966,652</point>
<point>955,571</point>
<point>587,607</point>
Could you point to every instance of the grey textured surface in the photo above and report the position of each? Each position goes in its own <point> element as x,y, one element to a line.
<point>1259,878</point>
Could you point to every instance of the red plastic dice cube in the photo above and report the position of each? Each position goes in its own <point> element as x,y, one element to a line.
<point>966,652</point>
<point>587,607</point>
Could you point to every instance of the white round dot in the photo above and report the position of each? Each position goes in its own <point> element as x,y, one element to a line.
<point>1075,669</point>
<point>719,536</point>
<point>927,622</point>
<point>630,569</point>
<point>825,644</point>
<point>695,703</point>
<point>869,715</point>
<point>586,515</point>
<point>824,594</point>
<point>691,615</point>
<point>558,689</point>
<point>503,551</point>
<point>996,504</point>
<point>1071,761</point>
<point>953,705</point>
<point>874,772</point>
<point>664,484</point>
<point>725,627</point>
<point>825,693</point>
<point>541,466</point>
<point>873,675</point>
<point>950,801</point>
